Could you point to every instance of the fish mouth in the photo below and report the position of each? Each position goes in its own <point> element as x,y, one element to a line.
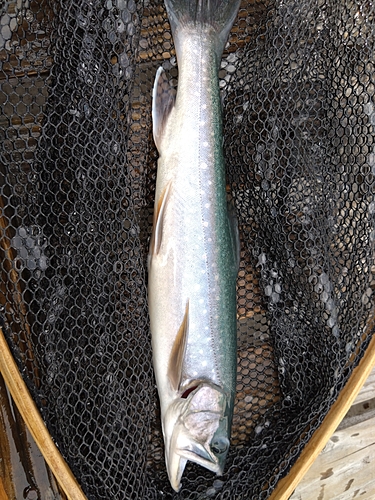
<point>212,457</point>
<point>196,430</point>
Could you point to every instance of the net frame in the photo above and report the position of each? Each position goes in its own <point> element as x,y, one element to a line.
<point>77,196</point>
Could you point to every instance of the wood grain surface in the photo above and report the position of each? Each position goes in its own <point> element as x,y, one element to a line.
<point>320,438</point>
<point>345,469</point>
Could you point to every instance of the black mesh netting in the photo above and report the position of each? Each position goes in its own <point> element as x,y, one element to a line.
<point>78,168</point>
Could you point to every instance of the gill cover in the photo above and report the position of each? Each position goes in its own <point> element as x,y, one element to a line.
<point>196,429</point>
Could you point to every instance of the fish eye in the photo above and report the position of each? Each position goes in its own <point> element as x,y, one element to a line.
<point>219,445</point>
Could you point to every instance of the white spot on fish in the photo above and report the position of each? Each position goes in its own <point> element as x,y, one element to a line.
<point>197,286</point>
<point>204,256</point>
<point>196,93</point>
<point>205,105</point>
<point>204,166</point>
<point>204,363</point>
<point>202,123</point>
<point>209,183</point>
<point>216,277</point>
<point>195,374</point>
<point>204,311</point>
<point>207,205</point>
<point>200,351</point>
<point>210,239</point>
<point>205,224</point>
<point>205,144</point>
<point>201,301</point>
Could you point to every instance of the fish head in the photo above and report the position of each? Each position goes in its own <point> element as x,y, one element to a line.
<point>196,428</point>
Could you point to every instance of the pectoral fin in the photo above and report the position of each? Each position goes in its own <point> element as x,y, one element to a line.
<point>163,99</point>
<point>177,355</point>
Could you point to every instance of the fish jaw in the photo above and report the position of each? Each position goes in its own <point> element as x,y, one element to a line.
<point>196,428</point>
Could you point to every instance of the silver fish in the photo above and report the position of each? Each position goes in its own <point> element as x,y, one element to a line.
<point>193,258</point>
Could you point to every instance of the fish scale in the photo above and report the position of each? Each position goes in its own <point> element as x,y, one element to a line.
<point>193,261</point>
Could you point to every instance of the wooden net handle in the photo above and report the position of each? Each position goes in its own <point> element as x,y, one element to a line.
<point>35,423</point>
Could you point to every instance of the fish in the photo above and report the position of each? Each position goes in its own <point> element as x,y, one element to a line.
<point>194,248</point>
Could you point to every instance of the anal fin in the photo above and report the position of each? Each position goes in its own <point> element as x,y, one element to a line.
<point>163,99</point>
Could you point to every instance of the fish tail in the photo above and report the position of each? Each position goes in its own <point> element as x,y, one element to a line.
<point>215,15</point>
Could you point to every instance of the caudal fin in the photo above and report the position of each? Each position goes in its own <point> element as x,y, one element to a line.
<point>217,15</point>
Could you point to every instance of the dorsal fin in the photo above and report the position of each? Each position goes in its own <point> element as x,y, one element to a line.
<point>163,99</point>
<point>177,355</point>
<point>235,235</point>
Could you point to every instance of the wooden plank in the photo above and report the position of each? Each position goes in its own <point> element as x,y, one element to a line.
<point>288,484</point>
<point>368,390</point>
<point>345,468</point>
